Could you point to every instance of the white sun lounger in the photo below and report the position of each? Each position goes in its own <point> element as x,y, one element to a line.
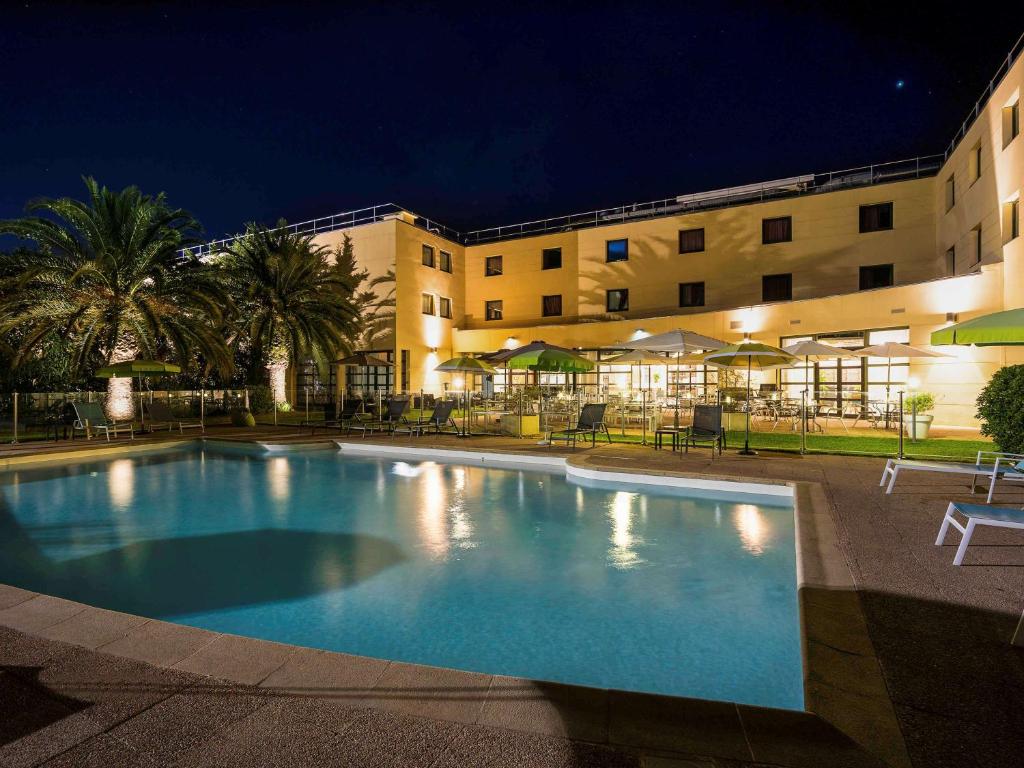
<point>1005,466</point>
<point>976,514</point>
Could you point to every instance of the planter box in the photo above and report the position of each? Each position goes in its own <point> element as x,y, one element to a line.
<point>917,428</point>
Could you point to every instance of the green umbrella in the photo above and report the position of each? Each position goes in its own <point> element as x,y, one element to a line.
<point>998,329</point>
<point>465,364</point>
<point>749,355</point>
<point>541,356</point>
<point>139,368</point>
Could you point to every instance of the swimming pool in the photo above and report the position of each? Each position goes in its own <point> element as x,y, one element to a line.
<point>498,570</point>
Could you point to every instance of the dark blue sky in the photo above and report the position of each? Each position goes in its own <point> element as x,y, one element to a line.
<point>475,115</point>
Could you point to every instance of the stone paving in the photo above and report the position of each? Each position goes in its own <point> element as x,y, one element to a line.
<point>941,634</point>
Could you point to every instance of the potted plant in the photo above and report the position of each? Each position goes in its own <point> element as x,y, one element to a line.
<point>916,417</point>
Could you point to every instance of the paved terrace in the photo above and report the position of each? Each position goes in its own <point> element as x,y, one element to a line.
<point>127,691</point>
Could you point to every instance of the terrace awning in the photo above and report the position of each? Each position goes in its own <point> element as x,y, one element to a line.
<point>995,330</point>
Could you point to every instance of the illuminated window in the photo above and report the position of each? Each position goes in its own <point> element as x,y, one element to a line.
<point>427,303</point>
<point>492,266</point>
<point>777,287</point>
<point>551,258</point>
<point>974,163</point>
<point>1011,122</point>
<point>493,310</point>
<point>428,256</point>
<point>446,307</point>
<point>875,218</point>
<point>876,276</point>
<point>691,240</point>
<point>777,230</point>
<point>691,294</point>
<point>551,306</point>
<point>616,250</point>
<point>1011,220</point>
<point>617,300</point>
<point>446,261</point>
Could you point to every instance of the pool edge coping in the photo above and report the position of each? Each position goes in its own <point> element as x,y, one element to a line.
<point>827,596</point>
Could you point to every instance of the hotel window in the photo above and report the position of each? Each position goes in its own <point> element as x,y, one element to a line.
<point>1011,122</point>
<point>551,258</point>
<point>617,300</point>
<point>446,262</point>
<point>777,288</point>
<point>691,294</point>
<point>691,240</point>
<point>492,310</point>
<point>950,193</point>
<point>951,261</point>
<point>974,164</point>
<point>777,230</point>
<point>446,307</point>
<point>428,256</point>
<point>551,306</point>
<point>616,250</point>
<point>976,243</point>
<point>876,276</point>
<point>875,218</point>
<point>1011,220</point>
<point>427,303</point>
<point>492,266</point>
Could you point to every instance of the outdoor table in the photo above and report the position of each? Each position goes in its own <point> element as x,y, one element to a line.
<point>674,432</point>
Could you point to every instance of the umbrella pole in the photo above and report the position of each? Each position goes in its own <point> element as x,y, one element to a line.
<point>677,391</point>
<point>746,442</point>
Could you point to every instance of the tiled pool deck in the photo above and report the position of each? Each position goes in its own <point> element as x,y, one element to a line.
<point>83,686</point>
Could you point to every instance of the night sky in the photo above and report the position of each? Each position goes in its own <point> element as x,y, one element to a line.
<point>478,115</point>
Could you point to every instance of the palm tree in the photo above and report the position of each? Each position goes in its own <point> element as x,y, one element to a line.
<point>109,274</point>
<point>292,303</point>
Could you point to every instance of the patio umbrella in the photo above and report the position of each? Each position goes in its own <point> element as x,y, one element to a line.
<point>817,350</point>
<point>889,350</point>
<point>996,330</point>
<point>364,359</point>
<point>138,368</point>
<point>749,355</point>
<point>639,358</point>
<point>541,356</point>
<point>465,364</point>
<point>679,342</point>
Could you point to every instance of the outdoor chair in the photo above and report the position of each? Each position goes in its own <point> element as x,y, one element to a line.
<point>1004,466</point>
<point>159,414</point>
<point>332,418</point>
<point>706,428</point>
<point>590,422</point>
<point>975,515</point>
<point>438,421</point>
<point>394,415</point>
<point>90,416</point>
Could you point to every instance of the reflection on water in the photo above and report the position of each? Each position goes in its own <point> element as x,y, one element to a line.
<point>752,527</point>
<point>279,470</point>
<point>121,483</point>
<point>622,553</point>
<point>432,501</point>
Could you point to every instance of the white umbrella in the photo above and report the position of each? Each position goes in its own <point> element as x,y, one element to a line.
<point>679,342</point>
<point>889,350</point>
<point>817,350</point>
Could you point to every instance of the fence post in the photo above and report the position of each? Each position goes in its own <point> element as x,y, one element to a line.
<point>307,402</point>
<point>803,422</point>
<point>899,427</point>
<point>15,440</point>
<point>202,405</point>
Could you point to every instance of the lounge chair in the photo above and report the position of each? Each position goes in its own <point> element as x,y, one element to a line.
<point>975,515</point>
<point>706,428</point>
<point>159,414</point>
<point>90,416</point>
<point>437,421</point>
<point>1004,466</point>
<point>332,419</point>
<point>393,416</point>
<point>590,422</point>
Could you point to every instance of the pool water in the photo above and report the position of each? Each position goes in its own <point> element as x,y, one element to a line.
<point>503,571</point>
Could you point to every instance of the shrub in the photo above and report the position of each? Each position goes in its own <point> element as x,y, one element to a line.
<point>1001,409</point>
<point>261,399</point>
<point>922,402</point>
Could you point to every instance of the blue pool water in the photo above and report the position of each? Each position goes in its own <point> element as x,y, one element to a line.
<point>495,570</point>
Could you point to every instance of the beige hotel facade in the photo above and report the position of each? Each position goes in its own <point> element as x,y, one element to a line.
<point>886,252</point>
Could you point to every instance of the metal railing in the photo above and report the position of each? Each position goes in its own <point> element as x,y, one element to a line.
<point>344,220</point>
<point>830,181</point>
<point>997,78</point>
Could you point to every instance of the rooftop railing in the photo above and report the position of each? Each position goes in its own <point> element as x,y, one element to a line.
<point>918,167</point>
<point>997,78</point>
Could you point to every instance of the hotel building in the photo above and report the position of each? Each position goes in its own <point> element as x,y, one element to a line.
<point>884,252</point>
